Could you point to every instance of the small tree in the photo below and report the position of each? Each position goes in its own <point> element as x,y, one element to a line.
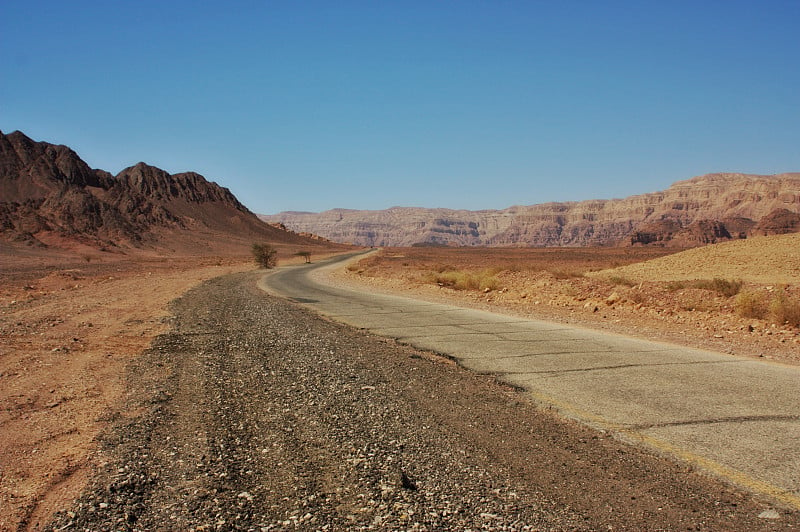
<point>306,255</point>
<point>265,255</point>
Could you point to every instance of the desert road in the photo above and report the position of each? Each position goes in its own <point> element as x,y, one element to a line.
<point>736,418</point>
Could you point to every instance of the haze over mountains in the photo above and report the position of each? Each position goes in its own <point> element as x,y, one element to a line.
<point>702,210</point>
<point>50,196</point>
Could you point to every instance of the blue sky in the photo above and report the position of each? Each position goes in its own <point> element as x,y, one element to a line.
<point>471,104</point>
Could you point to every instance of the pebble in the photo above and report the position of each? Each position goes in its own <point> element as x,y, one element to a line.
<point>769,514</point>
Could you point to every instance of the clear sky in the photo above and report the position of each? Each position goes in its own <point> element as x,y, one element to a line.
<point>311,105</point>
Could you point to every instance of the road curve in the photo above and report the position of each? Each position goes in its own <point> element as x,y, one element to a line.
<point>734,417</point>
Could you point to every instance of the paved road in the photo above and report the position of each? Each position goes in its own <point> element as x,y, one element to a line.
<point>737,418</point>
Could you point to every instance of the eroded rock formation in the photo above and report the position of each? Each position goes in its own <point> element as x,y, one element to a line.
<point>47,190</point>
<point>698,211</point>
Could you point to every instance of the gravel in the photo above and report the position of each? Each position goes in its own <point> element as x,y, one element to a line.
<point>254,414</point>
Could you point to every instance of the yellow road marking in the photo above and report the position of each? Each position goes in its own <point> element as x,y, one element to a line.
<point>733,475</point>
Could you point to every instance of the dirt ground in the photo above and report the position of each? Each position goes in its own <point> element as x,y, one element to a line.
<point>69,324</point>
<point>651,293</point>
<point>252,413</point>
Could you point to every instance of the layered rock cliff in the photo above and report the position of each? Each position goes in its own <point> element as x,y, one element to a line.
<point>701,210</point>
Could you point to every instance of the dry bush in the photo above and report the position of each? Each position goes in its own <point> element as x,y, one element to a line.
<point>564,273</point>
<point>265,255</point>
<point>442,268</point>
<point>723,287</point>
<point>621,281</point>
<point>749,304</point>
<point>634,295</point>
<point>461,280</point>
<point>784,309</point>
<point>698,300</point>
<point>674,286</point>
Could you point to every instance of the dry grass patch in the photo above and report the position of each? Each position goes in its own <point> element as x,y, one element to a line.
<point>710,297</point>
<point>777,307</point>
<point>463,280</point>
<point>723,287</point>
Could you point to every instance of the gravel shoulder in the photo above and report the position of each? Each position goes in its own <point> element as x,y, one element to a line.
<point>67,332</point>
<point>253,414</point>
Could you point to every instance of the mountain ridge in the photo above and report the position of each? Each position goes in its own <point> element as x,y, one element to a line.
<point>50,196</point>
<point>697,211</point>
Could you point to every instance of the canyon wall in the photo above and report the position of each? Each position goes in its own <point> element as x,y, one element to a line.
<point>701,210</point>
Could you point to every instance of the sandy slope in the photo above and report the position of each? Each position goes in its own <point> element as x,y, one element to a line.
<point>766,260</point>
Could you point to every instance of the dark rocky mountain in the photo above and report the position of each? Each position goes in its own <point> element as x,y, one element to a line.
<point>49,195</point>
<point>778,222</point>
<point>698,211</point>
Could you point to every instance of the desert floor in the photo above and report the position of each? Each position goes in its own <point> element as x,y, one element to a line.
<point>663,294</point>
<point>70,325</point>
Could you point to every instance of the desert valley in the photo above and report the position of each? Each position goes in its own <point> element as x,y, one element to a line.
<point>93,264</point>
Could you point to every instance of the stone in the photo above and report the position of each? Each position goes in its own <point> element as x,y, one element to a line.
<point>769,514</point>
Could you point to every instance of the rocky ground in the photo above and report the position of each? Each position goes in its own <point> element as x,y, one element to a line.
<point>253,414</point>
<point>68,328</point>
<point>80,403</point>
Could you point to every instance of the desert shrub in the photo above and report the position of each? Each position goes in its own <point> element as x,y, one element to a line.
<point>621,281</point>
<point>721,286</point>
<point>442,268</point>
<point>674,286</point>
<point>265,255</point>
<point>784,309</point>
<point>568,290</point>
<point>461,280</point>
<point>750,304</point>
<point>697,302</point>
<point>562,273</point>
<point>635,296</point>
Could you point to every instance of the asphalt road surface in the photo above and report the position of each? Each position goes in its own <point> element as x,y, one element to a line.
<point>736,418</point>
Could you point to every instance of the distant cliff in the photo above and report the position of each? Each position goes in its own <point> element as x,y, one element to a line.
<point>702,210</point>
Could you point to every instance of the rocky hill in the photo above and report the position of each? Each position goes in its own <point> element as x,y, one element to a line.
<point>50,196</point>
<point>702,210</point>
